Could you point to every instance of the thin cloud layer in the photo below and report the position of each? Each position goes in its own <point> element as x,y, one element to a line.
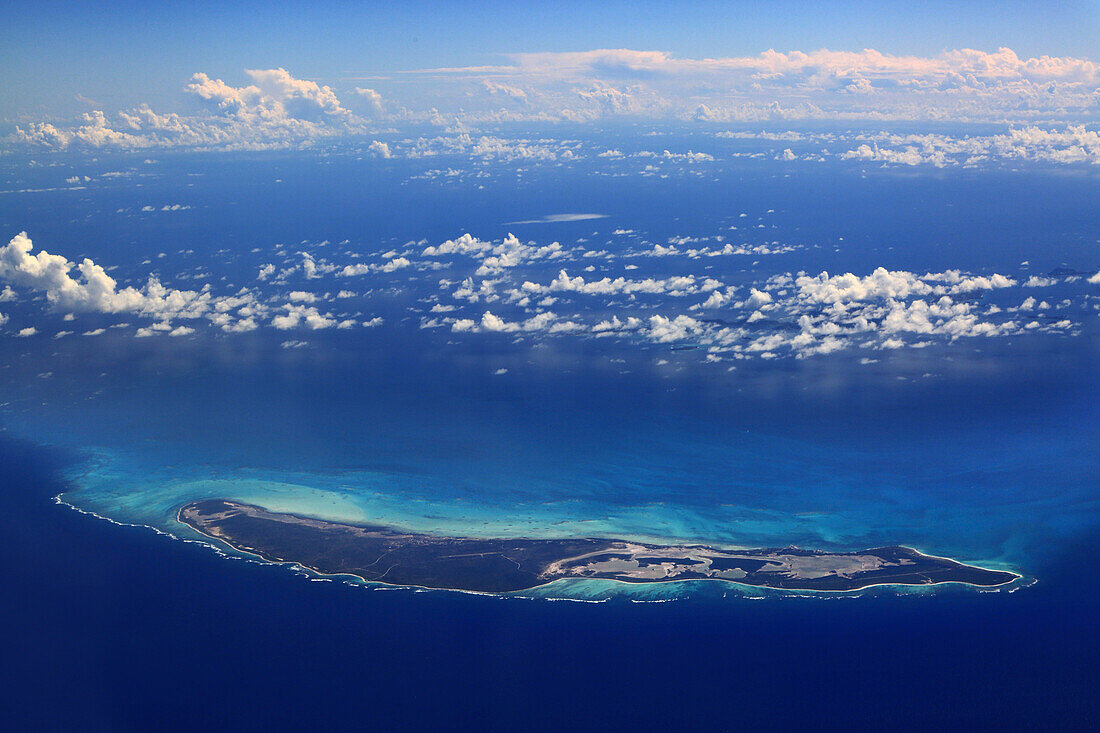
<point>961,84</point>
<point>278,109</point>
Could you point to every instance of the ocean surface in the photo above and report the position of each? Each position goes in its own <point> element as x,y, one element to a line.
<point>981,449</point>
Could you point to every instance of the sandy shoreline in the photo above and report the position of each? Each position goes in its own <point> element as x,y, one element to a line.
<point>359,579</point>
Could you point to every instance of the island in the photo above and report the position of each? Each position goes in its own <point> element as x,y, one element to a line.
<point>381,554</point>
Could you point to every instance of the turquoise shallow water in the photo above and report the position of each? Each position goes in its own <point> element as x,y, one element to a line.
<point>822,506</point>
<point>150,500</point>
<point>145,611</point>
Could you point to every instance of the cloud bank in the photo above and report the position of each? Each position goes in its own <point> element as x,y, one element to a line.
<point>277,109</point>
<point>960,84</point>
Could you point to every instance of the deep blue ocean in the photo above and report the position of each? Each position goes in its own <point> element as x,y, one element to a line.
<point>984,449</point>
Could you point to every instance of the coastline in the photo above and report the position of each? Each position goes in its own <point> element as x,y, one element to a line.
<point>128,489</point>
<point>748,589</point>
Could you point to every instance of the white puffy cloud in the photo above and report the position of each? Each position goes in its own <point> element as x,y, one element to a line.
<point>1036,281</point>
<point>757,298</point>
<point>897,284</point>
<point>1070,144</point>
<point>614,324</point>
<point>397,263</point>
<point>787,314</point>
<point>93,290</point>
<point>716,299</point>
<point>467,244</point>
<point>490,292</point>
<point>277,110</point>
<point>960,283</point>
<point>666,330</point>
<point>362,268</point>
<point>495,258</point>
<point>908,156</point>
<point>882,283</point>
<point>371,98</point>
<point>490,322</point>
<point>302,316</point>
<point>512,253</point>
<point>676,286</point>
<point>504,90</point>
<point>274,95</point>
<point>943,317</point>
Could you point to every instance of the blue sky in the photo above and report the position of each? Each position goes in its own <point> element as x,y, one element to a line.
<point>145,52</point>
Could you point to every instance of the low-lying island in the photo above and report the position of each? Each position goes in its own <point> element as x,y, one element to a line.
<point>383,554</point>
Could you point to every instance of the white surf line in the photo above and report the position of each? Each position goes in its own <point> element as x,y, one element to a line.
<point>253,557</point>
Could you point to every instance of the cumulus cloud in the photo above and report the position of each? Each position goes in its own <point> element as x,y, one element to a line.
<point>505,286</point>
<point>275,110</point>
<point>302,316</point>
<point>787,314</point>
<point>467,244</point>
<point>371,98</point>
<point>274,95</point>
<point>361,268</point>
<point>511,253</point>
<point>884,284</point>
<point>85,287</point>
<point>666,330</point>
<point>497,89</point>
<point>491,322</point>
<point>676,286</point>
<point>1065,145</point>
<point>91,290</point>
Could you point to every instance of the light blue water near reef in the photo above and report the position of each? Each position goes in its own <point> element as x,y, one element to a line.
<point>980,450</point>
